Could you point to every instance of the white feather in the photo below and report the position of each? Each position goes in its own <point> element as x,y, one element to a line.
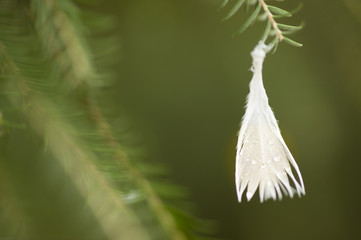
<point>263,160</point>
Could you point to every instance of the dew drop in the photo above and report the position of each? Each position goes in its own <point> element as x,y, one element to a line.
<point>247,160</point>
<point>132,197</point>
<point>254,162</point>
<point>263,166</point>
<point>276,159</point>
<point>268,183</point>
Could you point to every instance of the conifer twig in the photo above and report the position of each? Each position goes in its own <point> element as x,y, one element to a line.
<point>48,123</point>
<point>156,204</point>
<point>270,13</point>
<point>65,27</point>
<point>271,19</point>
<point>62,41</point>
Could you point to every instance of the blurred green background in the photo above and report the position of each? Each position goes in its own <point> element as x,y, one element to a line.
<point>185,80</point>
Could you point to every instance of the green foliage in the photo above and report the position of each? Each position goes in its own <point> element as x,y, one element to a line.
<point>270,13</point>
<point>51,76</point>
<point>249,21</point>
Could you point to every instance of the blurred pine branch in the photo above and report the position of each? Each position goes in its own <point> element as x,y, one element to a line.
<point>78,162</point>
<point>51,79</point>
<point>53,22</point>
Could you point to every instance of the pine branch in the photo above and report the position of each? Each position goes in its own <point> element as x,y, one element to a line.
<point>62,41</point>
<point>271,20</point>
<point>53,23</point>
<point>269,14</point>
<point>155,203</point>
<point>115,219</point>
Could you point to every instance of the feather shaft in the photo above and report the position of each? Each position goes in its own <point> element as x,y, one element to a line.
<point>263,159</point>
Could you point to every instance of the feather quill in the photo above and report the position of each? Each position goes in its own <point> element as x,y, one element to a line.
<point>263,159</point>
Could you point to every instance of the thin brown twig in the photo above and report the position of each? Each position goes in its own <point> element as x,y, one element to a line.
<point>271,19</point>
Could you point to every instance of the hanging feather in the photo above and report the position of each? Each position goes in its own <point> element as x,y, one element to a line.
<point>263,160</point>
